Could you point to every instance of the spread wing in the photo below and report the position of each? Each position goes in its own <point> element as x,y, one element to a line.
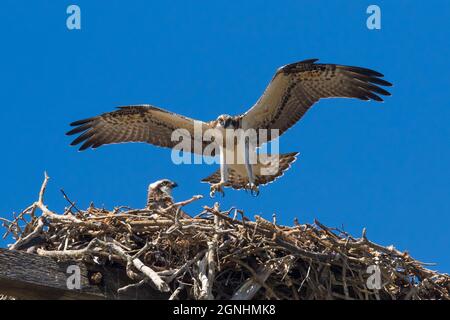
<point>140,123</point>
<point>297,86</point>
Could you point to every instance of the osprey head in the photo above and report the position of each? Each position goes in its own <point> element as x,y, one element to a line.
<point>164,185</point>
<point>226,121</point>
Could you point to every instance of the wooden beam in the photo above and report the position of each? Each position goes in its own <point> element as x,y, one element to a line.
<point>30,276</point>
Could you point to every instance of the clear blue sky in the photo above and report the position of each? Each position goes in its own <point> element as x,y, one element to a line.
<point>380,166</point>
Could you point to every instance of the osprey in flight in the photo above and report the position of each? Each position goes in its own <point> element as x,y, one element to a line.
<point>292,91</point>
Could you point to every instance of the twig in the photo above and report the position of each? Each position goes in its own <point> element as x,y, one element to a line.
<point>222,254</point>
<point>34,234</point>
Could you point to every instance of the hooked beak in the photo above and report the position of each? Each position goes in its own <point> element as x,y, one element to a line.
<point>174,185</point>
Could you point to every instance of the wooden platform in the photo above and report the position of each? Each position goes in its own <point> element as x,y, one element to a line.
<point>30,276</point>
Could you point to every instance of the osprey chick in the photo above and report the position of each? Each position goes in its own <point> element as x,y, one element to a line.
<point>159,196</point>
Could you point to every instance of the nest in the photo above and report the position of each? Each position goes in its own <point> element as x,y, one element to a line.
<point>223,255</point>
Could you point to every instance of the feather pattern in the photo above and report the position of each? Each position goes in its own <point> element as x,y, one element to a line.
<point>140,123</point>
<point>237,174</point>
<point>297,86</point>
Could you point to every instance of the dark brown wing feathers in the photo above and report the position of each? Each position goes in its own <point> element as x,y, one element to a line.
<point>356,77</point>
<point>297,86</point>
<point>142,123</point>
<point>292,91</point>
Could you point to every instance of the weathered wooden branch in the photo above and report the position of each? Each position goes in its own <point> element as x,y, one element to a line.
<point>250,287</point>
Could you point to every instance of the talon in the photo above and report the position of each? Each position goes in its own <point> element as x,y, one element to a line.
<point>254,189</point>
<point>217,187</point>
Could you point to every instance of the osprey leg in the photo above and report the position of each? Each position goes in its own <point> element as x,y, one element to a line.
<point>249,168</point>
<point>218,187</point>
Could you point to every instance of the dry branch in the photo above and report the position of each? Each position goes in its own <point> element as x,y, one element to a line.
<point>215,255</point>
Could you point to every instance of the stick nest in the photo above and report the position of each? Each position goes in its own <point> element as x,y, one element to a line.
<point>223,255</point>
